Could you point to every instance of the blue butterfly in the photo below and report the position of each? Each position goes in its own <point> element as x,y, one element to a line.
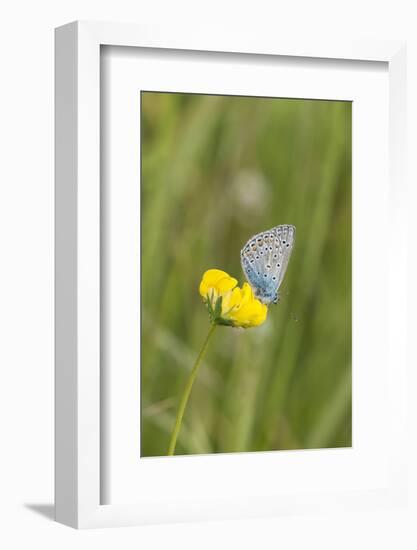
<point>264,260</point>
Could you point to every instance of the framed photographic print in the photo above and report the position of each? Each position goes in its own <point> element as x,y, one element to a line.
<point>229,330</point>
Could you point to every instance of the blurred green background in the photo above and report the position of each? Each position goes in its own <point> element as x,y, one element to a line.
<point>215,171</point>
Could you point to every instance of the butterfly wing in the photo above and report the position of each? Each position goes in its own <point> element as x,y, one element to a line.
<point>265,260</point>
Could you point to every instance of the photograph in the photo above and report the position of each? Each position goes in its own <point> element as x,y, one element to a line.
<point>245,274</point>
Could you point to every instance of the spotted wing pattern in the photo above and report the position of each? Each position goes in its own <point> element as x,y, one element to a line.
<point>265,260</point>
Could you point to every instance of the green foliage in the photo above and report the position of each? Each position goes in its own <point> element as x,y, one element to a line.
<point>215,171</point>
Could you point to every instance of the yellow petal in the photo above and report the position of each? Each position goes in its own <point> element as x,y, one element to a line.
<point>247,293</point>
<point>231,300</point>
<point>225,284</point>
<point>218,280</point>
<point>250,312</point>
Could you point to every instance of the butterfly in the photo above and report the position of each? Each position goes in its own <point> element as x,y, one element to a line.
<point>264,260</point>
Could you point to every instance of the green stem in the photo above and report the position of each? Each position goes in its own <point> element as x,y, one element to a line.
<point>187,391</point>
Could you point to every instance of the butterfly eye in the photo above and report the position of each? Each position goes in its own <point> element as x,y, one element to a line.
<point>278,265</point>
<point>275,256</point>
<point>283,242</point>
<point>265,275</point>
<point>257,257</point>
<point>273,278</point>
<point>270,248</point>
<point>288,245</point>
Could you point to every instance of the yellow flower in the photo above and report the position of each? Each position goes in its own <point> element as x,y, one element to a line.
<point>228,304</point>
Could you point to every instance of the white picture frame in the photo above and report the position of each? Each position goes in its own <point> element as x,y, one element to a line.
<point>78,321</point>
